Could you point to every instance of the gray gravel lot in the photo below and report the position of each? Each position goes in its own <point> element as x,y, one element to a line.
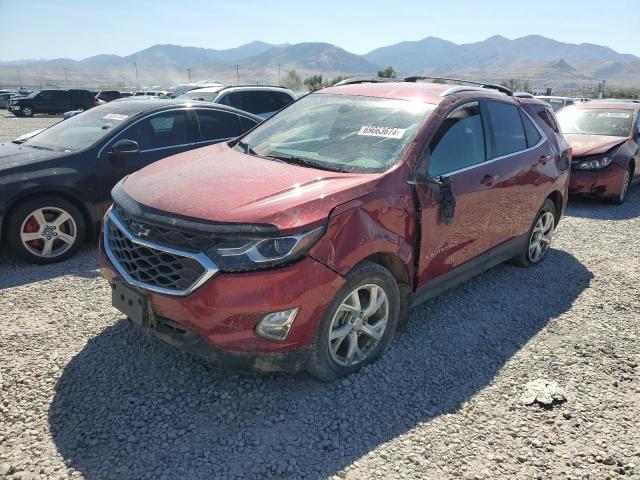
<point>85,395</point>
<point>12,126</point>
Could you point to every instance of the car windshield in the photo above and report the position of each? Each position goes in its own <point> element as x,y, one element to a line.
<point>79,131</point>
<point>339,132</point>
<point>207,96</point>
<point>33,94</point>
<point>596,121</point>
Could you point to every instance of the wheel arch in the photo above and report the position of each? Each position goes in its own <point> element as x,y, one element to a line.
<point>31,194</point>
<point>556,198</point>
<point>393,263</point>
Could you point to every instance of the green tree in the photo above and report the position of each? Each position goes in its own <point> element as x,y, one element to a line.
<point>313,82</point>
<point>388,72</point>
<point>292,81</point>
<point>516,85</point>
<point>333,81</point>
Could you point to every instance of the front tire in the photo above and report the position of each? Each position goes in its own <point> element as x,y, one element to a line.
<point>359,324</point>
<point>27,111</point>
<point>45,229</point>
<point>539,236</point>
<point>624,188</point>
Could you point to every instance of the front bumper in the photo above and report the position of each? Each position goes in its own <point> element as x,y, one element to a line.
<point>290,361</point>
<point>603,183</point>
<point>217,321</point>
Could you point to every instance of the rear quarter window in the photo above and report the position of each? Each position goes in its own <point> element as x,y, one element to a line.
<point>507,131</point>
<point>548,117</point>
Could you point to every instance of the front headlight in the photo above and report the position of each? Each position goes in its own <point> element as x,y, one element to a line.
<point>593,164</point>
<point>252,254</point>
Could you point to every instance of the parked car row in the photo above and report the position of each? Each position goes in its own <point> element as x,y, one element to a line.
<point>301,241</point>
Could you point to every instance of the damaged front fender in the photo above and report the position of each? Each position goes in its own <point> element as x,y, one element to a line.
<point>379,223</point>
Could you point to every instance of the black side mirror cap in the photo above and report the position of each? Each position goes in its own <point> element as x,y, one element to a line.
<point>124,148</point>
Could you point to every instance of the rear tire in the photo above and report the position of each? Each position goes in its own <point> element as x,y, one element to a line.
<point>624,188</point>
<point>539,237</point>
<point>358,325</point>
<point>45,229</point>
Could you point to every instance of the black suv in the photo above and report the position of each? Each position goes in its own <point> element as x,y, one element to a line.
<point>51,102</point>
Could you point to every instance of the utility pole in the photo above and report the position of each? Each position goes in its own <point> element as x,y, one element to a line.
<point>135,64</point>
<point>278,74</point>
<point>20,79</point>
<point>189,73</point>
<point>238,73</point>
<point>66,76</point>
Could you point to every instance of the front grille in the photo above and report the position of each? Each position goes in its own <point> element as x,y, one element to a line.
<point>153,268</point>
<point>187,241</point>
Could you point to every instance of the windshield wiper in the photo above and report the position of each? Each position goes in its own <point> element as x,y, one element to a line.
<point>245,146</point>
<point>303,162</point>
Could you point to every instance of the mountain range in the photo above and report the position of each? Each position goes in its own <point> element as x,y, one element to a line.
<point>540,60</point>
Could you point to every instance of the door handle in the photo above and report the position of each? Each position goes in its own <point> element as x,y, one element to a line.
<point>488,180</point>
<point>544,159</point>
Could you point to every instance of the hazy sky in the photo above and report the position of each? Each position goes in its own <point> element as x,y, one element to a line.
<point>81,28</point>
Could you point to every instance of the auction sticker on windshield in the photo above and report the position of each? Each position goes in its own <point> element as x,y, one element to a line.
<point>115,116</point>
<point>386,132</point>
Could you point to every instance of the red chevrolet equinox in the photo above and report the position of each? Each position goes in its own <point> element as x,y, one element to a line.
<point>302,244</point>
<point>605,137</point>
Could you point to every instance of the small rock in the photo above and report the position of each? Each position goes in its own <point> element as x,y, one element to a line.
<point>545,392</point>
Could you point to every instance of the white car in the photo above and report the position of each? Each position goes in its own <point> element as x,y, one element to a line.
<point>259,100</point>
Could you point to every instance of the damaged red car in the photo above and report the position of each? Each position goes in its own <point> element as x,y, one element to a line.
<point>302,244</point>
<point>605,137</point>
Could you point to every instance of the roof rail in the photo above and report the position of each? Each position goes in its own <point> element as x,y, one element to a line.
<point>500,88</point>
<point>460,88</point>
<point>225,87</point>
<point>355,80</point>
<point>523,95</point>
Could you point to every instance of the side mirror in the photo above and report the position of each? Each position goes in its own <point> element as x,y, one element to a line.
<point>124,148</point>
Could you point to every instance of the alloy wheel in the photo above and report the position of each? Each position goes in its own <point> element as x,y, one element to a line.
<point>27,111</point>
<point>625,185</point>
<point>541,237</point>
<point>48,232</point>
<point>358,325</point>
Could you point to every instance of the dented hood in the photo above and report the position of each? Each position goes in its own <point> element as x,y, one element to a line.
<point>220,184</point>
<point>592,144</point>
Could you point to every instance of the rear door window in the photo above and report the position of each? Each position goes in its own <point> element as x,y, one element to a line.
<point>530,130</point>
<point>218,125</point>
<point>506,129</point>
<point>459,142</point>
<point>160,131</point>
<point>246,123</point>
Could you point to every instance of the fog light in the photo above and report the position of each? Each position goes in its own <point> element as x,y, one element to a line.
<point>276,325</point>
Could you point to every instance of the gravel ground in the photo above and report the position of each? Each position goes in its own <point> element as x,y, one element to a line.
<point>85,395</point>
<point>12,126</point>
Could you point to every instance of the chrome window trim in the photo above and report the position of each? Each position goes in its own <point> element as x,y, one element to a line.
<point>117,135</point>
<point>210,267</point>
<point>543,138</point>
<point>215,140</point>
<point>166,148</point>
